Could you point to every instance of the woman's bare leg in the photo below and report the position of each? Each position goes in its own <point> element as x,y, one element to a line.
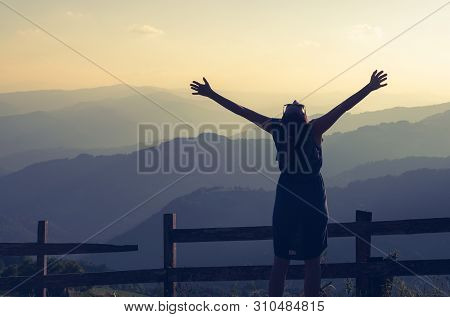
<point>312,277</point>
<point>278,276</point>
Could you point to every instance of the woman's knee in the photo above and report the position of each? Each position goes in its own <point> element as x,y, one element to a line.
<point>280,263</point>
<point>312,262</point>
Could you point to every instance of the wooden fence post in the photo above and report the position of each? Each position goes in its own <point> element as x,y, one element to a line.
<point>170,255</point>
<point>380,284</point>
<point>41,261</point>
<point>363,246</point>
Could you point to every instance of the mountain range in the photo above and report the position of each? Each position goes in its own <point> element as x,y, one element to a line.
<point>67,192</point>
<point>80,195</point>
<point>24,141</point>
<point>387,167</point>
<point>107,117</point>
<point>21,102</point>
<point>428,137</point>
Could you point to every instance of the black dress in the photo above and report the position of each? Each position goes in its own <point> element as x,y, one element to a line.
<point>300,214</point>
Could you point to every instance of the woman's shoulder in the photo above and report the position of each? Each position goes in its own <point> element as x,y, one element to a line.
<point>272,124</point>
<point>311,122</point>
<point>318,139</point>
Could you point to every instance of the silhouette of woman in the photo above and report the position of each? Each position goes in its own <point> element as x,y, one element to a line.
<point>300,213</point>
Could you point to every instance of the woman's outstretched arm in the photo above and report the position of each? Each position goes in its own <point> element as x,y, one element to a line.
<point>323,123</point>
<point>206,91</point>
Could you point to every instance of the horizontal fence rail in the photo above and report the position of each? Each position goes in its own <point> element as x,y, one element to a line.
<point>231,273</point>
<point>85,279</point>
<point>341,230</point>
<point>22,249</point>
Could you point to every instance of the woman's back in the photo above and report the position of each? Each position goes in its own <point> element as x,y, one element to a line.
<point>297,152</point>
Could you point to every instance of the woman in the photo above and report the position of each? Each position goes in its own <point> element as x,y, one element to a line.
<point>300,214</point>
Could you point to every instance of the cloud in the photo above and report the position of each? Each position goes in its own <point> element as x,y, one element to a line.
<point>145,29</point>
<point>360,32</point>
<point>308,43</point>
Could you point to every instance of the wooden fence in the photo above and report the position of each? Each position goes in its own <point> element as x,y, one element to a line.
<point>371,273</point>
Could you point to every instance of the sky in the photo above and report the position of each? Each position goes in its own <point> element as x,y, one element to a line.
<point>245,48</point>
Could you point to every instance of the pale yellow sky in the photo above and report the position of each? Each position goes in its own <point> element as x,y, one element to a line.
<point>276,47</point>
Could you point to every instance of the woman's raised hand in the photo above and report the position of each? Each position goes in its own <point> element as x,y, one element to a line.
<point>376,80</point>
<point>201,89</point>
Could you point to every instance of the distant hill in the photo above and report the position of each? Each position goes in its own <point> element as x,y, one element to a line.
<point>21,102</point>
<point>107,117</point>
<point>416,194</point>
<point>3,172</point>
<point>387,167</point>
<point>349,121</point>
<point>429,137</point>
<point>103,124</point>
<point>16,161</point>
<point>67,192</point>
<point>86,127</point>
<point>80,195</point>
<point>14,230</point>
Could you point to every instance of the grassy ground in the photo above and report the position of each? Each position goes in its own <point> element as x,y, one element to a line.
<point>411,287</point>
<point>104,292</point>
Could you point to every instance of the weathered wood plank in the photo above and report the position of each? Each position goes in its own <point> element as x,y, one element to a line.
<point>21,249</point>
<point>409,267</point>
<point>41,260</point>
<point>335,230</point>
<point>105,278</point>
<point>363,247</point>
<point>259,272</point>
<point>222,234</point>
<point>87,279</point>
<point>410,226</point>
<point>236,273</point>
<point>170,254</point>
<point>331,270</point>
